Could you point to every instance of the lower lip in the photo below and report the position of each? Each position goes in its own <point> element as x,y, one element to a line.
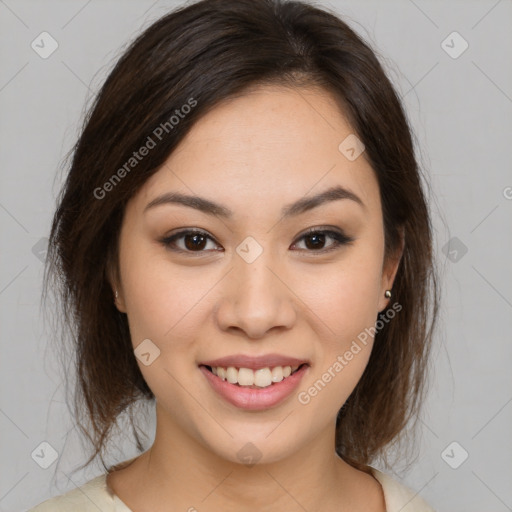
<point>255,399</point>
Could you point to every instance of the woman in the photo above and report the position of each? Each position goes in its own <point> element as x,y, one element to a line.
<point>243,239</point>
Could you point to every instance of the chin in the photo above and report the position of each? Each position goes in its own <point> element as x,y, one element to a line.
<point>260,448</point>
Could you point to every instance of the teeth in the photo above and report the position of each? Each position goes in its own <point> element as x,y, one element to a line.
<point>277,374</point>
<point>245,377</point>
<point>232,375</point>
<point>261,378</point>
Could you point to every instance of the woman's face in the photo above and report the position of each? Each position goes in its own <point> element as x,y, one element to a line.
<point>253,285</point>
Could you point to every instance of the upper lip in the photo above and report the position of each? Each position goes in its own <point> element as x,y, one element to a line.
<point>255,362</point>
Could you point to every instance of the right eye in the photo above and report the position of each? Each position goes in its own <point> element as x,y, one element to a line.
<point>194,241</point>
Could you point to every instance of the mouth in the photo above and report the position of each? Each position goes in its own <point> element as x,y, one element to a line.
<point>254,379</point>
<point>254,389</point>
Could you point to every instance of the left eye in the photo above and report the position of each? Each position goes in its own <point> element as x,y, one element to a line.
<point>318,237</point>
<point>195,241</point>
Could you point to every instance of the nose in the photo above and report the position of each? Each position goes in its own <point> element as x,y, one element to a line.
<point>256,298</point>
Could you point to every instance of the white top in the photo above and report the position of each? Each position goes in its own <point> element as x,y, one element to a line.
<point>96,495</point>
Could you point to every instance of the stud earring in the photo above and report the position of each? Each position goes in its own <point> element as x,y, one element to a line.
<point>115,298</point>
<point>387,294</point>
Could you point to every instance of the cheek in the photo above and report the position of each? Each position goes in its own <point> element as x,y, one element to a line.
<point>344,297</point>
<point>157,302</point>
<point>345,307</point>
<point>157,296</point>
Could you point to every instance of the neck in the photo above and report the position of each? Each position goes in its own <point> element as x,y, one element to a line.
<point>181,471</point>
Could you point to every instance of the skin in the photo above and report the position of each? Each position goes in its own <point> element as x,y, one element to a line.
<point>253,154</point>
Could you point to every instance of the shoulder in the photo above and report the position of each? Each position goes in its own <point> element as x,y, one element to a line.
<point>94,495</point>
<point>398,497</point>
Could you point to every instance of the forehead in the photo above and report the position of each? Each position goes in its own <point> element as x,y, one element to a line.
<point>270,145</point>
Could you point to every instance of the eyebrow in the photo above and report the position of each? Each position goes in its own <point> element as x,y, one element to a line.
<point>217,210</point>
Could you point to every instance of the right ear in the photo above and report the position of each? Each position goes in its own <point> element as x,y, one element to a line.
<point>115,284</point>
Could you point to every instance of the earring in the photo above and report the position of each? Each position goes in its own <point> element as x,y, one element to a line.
<point>387,294</point>
<point>115,298</point>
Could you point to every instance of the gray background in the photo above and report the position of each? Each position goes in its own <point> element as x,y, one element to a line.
<point>460,109</point>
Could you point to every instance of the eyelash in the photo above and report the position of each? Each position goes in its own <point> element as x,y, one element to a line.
<point>340,239</point>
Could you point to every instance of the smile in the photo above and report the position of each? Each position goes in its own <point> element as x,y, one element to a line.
<point>254,390</point>
<point>247,377</point>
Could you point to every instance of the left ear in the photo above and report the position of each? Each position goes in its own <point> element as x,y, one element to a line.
<point>389,271</point>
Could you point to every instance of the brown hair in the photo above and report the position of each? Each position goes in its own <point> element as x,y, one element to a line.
<point>208,52</point>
